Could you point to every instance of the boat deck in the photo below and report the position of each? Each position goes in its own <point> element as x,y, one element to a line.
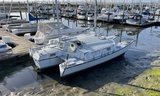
<point>21,49</point>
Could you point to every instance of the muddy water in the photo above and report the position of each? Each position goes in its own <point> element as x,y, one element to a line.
<point>99,80</point>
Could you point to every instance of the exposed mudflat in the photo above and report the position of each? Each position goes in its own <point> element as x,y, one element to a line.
<point>140,78</point>
<point>137,73</point>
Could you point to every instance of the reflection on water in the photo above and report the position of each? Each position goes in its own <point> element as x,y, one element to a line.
<point>21,78</point>
<point>120,70</point>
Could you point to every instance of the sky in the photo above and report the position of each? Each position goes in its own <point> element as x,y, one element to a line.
<point>84,0</point>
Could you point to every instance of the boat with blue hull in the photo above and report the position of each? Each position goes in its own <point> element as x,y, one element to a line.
<point>4,47</point>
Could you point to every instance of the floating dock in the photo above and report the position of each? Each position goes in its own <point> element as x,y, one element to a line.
<point>18,53</point>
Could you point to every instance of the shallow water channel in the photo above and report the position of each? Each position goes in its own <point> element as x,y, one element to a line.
<point>136,60</point>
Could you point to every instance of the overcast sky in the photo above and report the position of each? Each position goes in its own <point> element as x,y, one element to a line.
<point>84,0</point>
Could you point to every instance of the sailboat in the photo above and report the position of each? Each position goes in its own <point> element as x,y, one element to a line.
<point>141,19</point>
<point>30,27</point>
<point>80,52</point>
<point>86,51</point>
<point>49,29</point>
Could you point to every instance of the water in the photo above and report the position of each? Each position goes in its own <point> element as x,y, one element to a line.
<point>120,70</point>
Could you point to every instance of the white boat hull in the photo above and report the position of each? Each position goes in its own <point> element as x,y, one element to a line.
<point>85,65</point>
<point>105,18</point>
<point>42,64</point>
<point>81,17</point>
<point>90,18</point>
<point>23,30</point>
<point>137,23</point>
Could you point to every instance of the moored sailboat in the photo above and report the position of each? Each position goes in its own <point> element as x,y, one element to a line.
<point>90,51</point>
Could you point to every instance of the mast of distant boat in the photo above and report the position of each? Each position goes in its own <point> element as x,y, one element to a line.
<point>9,11</point>
<point>140,12</point>
<point>58,20</point>
<point>28,9</point>
<point>4,7</point>
<point>95,16</point>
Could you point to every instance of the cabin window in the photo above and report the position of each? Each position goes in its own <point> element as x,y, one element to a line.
<point>82,13</point>
<point>109,13</point>
<point>3,46</point>
<point>79,43</point>
<point>52,54</point>
<point>72,45</point>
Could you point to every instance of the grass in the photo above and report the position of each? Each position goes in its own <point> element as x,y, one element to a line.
<point>146,84</point>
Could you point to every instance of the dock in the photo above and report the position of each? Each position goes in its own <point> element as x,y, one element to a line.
<point>18,53</point>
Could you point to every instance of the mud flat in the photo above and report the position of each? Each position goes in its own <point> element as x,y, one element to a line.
<point>20,52</point>
<point>147,83</point>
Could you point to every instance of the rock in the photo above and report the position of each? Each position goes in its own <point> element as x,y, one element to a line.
<point>156,62</point>
<point>147,77</point>
<point>74,88</point>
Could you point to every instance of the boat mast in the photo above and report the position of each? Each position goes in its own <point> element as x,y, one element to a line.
<point>28,9</point>
<point>20,9</point>
<point>4,7</point>
<point>10,10</point>
<point>58,20</point>
<point>95,15</point>
<point>140,12</point>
